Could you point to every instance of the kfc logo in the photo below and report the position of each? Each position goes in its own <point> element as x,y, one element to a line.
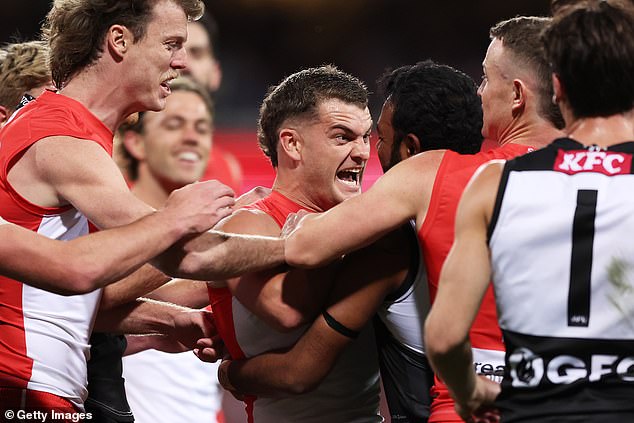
<point>605,162</point>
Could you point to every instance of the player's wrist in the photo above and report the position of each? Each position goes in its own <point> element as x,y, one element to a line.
<point>223,375</point>
<point>176,225</point>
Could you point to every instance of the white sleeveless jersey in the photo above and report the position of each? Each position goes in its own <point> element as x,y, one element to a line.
<point>50,346</point>
<point>563,270</point>
<point>350,392</point>
<point>405,372</point>
<point>167,388</point>
<point>404,312</point>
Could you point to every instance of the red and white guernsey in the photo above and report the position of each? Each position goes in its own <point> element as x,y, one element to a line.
<point>350,392</point>
<point>436,237</point>
<point>44,337</point>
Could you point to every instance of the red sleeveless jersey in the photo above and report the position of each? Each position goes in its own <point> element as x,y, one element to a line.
<point>436,237</point>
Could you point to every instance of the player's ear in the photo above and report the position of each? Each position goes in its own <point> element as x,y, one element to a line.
<point>291,143</point>
<point>118,40</point>
<point>412,145</point>
<point>519,96</point>
<point>558,90</point>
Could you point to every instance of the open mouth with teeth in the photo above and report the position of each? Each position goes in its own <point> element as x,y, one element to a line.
<point>350,177</point>
<point>166,86</point>
<point>189,156</point>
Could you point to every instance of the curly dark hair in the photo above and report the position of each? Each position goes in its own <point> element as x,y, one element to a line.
<point>299,95</point>
<point>437,103</point>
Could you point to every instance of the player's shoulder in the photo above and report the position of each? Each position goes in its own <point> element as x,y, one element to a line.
<point>425,163</point>
<point>250,221</point>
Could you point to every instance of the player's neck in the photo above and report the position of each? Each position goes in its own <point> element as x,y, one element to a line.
<point>150,190</point>
<point>536,133</point>
<point>602,131</point>
<point>292,190</point>
<point>103,100</point>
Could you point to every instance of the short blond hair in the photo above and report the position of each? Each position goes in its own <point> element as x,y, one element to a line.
<point>23,66</point>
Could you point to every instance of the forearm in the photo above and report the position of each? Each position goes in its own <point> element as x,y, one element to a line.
<point>184,292</point>
<point>307,247</point>
<point>454,366</point>
<point>296,371</point>
<point>136,285</point>
<point>159,342</point>
<point>142,316</point>
<point>216,255</point>
<point>117,252</point>
<point>138,343</point>
<point>272,374</point>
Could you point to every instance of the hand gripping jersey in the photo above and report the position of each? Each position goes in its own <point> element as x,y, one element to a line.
<point>436,238</point>
<point>44,336</point>
<point>562,260</point>
<point>350,392</point>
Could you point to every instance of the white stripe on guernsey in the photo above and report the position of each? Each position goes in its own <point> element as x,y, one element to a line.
<point>3,222</point>
<point>531,251</point>
<point>57,328</point>
<point>256,337</point>
<point>350,392</point>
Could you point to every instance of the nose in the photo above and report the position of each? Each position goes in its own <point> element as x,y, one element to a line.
<point>480,88</point>
<point>191,136</point>
<point>179,59</point>
<point>361,150</point>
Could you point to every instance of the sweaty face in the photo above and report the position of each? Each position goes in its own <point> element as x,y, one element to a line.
<point>496,91</point>
<point>335,149</point>
<point>177,140</point>
<point>156,58</point>
<point>202,66</point>
<point>389,153</point>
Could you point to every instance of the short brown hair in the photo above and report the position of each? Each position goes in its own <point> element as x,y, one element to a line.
<point>138,125</point>
<point>75,29</point>
<point>23,66</point>
<point>521,36</point>
<point>299,95</point>
<point>591,49</point>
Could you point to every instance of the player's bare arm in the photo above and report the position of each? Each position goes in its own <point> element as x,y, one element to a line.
<point>399,195</point>
<point>464,279</point>
<point>365,278</point>
<point>145,316</point>
<point>91,262</point>
<point>283,298</point>
<point>60,170</point>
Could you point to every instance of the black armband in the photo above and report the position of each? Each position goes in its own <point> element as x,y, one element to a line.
<point>338,327</point>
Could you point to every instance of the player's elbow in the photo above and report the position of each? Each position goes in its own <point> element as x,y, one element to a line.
<point>298,254</point>
<point>79,280</point>
<point>300,382</point>
<point>287,321</point>
<point>186,266</point>
<point>442,339</point>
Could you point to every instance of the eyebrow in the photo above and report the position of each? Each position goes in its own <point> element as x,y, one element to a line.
<point>342,127</point>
